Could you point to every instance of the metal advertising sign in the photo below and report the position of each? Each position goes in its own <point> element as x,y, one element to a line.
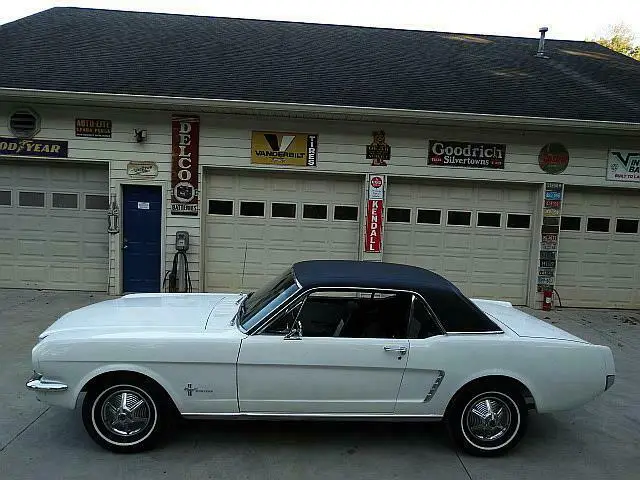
<point>87,127</point>
<point>550,231</point>
<point>272,148</point>
<point>624,165</point>
<point>33,148</point>
<point>185,139</point>
<point>464,154</point>
<point>375,204</point>
<point>379,151</point>
<point>142,169</point>
<point>553,158</point>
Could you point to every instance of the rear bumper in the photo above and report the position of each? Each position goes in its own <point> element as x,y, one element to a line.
<point>39,384</point>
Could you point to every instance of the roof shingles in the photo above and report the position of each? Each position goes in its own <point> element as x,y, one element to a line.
<point>87,50</point>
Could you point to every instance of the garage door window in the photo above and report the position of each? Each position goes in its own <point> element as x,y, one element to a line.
<point>518,220</point>
<point>314,212</point>
<point>486,219</point>
<point>252,209</point>
<point>624,225</point>
<point>597,224</point>
<point>345,212</point>
<point>65,200</point>
<point>31,199</point>
<point>457,218</point>
<point>96,202</point>
<point>5,197</point>
<point>430,217</point>
<point>220,207</point>
<point>283,210</point>
<point>399,215</point>
<point>570,224</point>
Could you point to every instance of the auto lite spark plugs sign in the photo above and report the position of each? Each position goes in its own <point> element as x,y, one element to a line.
<point>373,230</point>
<point>185,133</point>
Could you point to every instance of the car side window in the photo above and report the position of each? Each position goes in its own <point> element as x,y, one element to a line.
<point>457,314</point>
<point>422,323</point>
<point>355,314</point>
<point>284,322</point>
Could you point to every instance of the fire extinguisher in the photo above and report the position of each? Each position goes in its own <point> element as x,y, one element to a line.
<point>547,296</point>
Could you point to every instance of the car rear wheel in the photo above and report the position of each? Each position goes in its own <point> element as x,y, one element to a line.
<point>125,416</point>
<point>488,421</point>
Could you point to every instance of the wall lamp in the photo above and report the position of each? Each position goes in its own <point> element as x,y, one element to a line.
<point>141,135</point>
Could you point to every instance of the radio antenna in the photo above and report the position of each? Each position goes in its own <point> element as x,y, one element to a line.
<point>244,263</point>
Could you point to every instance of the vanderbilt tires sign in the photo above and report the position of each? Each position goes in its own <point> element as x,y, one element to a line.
<point>278,148</point>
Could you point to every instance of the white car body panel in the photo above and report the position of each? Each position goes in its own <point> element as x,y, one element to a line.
<point>190,339</point>
<point>313,375</point>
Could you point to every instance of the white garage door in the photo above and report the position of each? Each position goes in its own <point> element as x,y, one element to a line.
<point>477,236</point>
<point>275,220</point>
<point>54,226</point>
<point>599,249</point>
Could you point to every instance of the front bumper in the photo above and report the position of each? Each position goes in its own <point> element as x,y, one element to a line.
<point>40,384</point>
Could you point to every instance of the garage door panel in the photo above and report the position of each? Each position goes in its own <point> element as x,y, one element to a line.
<point>491,262</point>
<point>599,269</point>
<point>44,243</point>
<point>275,243</point>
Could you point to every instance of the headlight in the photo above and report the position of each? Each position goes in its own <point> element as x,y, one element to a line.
<point>610,380</point>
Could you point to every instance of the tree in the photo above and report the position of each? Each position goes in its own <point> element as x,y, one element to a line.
<point>620,38</point>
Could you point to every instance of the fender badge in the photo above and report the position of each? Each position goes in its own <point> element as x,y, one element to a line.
<point>190,389</point>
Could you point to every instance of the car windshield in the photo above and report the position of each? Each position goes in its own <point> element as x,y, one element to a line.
<point>268,298</point>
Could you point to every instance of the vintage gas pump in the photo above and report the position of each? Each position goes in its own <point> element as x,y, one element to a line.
<point>178,278</point>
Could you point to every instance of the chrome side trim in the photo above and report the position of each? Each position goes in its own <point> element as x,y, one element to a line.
<point>38,384</point>
<point>434,387</point>
<point>492,332</point>
<point>369,417</point>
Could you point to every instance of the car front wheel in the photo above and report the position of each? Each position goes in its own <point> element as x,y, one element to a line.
<point>488,421</point>
<point>125,416</point>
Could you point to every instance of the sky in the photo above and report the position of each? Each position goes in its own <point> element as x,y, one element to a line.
<point>566,19</point>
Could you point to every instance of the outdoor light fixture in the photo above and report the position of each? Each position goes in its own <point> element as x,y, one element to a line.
<point>141,135</point>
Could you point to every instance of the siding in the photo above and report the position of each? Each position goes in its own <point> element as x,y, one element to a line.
<point>225,143</point>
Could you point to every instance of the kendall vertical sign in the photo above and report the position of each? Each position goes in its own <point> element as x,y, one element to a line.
<point>185,140</point>
<point>375,205</point>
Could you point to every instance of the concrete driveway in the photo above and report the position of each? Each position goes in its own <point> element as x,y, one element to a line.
<point>598,441</point>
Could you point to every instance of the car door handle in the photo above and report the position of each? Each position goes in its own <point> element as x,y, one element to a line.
<point>396,349</point>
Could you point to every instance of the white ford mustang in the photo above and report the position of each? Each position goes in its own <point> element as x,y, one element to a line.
<point>326,339</point>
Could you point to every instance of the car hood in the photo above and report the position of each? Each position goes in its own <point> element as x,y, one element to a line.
<point>152,312</point>
<point>523,324</point>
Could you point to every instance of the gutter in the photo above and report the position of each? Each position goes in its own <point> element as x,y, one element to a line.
<point>311,110</point>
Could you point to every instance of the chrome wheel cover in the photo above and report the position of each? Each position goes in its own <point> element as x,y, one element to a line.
<point>487,418</point>
<point>125,412</point>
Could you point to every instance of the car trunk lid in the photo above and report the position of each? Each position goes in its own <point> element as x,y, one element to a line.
<point>521,323</point>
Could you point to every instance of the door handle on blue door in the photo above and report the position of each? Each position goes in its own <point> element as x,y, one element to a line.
<point>396,349</point>
<point>124,243</point>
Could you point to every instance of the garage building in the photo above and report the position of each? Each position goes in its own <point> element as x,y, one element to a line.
<point>510,170</point>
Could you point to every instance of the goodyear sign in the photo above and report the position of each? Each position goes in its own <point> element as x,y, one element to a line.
<point>278,148</point>
<point>33,148</point>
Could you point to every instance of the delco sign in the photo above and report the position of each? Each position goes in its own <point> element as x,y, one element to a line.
<point>624,165</point>
<point>185,134</point>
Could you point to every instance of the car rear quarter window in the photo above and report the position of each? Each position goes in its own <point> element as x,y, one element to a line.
<point>457,314</point>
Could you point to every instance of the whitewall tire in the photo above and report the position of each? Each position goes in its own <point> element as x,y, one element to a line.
<point>488,421</point>
<point>125,416</point>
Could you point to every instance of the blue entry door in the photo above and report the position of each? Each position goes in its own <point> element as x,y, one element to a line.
<point>141,232</point>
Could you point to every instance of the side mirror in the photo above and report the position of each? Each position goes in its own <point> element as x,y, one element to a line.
<point>296,331</point>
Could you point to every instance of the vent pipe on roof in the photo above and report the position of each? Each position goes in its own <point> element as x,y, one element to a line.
<point>541,53</point>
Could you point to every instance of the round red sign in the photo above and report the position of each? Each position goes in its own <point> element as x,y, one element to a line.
<point>553,158</point>
<point>376,182</point>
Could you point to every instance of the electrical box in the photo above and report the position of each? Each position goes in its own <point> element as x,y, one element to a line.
<point>182,241</point>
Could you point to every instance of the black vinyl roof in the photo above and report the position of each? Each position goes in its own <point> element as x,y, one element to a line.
<point>368,274</point>
<point>87,50</point>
